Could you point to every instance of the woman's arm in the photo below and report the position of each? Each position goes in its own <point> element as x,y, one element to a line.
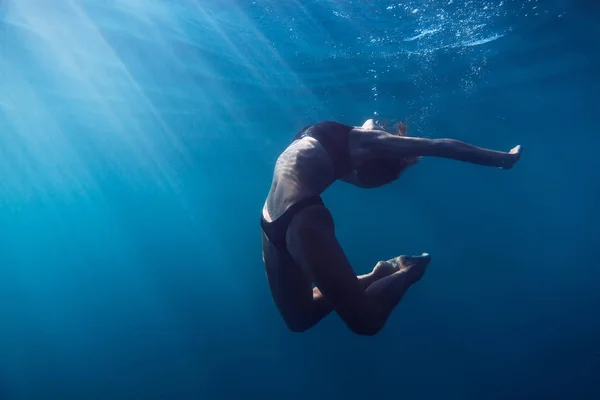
<point>382,144</point>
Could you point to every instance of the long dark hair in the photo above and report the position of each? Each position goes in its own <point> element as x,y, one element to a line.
<point>384,170</point>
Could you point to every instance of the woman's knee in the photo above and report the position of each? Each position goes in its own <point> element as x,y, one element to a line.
<point>364,321</point>
<point>298,324</point>
<point>366,328</point>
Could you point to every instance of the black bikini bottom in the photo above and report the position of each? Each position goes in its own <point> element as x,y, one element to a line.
<point>276,230</point>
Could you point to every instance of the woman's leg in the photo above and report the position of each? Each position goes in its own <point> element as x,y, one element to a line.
<point>312,244</point>
<point>301,305</point>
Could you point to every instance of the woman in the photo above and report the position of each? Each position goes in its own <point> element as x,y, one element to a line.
<point>299,243</point>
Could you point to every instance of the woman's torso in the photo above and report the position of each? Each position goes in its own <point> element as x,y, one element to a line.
<point>317,157</point>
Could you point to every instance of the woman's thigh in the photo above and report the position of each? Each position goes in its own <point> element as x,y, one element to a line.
<point>290,286</point>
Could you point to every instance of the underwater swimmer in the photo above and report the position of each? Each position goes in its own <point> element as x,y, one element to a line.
<point>299,242</point>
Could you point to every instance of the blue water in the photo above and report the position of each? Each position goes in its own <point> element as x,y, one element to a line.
<point>137,141</point>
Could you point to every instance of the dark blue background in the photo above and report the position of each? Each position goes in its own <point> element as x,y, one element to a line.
<point>137,146</point>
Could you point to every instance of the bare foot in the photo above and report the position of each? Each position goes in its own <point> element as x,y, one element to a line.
<point>383,269</point>
<point>413,266</point>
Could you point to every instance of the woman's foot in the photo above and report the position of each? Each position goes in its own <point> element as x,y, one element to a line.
<point>383,269</point>
<point>413,265</point>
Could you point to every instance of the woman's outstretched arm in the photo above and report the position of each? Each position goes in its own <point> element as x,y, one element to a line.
<point>382,144</point>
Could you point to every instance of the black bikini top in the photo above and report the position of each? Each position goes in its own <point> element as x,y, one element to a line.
<point>334,137</point>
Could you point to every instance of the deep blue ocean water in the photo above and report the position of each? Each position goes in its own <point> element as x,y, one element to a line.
<point>137,141</point>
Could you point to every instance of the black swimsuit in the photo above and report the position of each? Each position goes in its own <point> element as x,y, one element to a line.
<point>334,138</point>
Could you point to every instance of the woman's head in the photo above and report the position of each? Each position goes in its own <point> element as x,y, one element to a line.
<point>379,172</point>
<point>402,129</point>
